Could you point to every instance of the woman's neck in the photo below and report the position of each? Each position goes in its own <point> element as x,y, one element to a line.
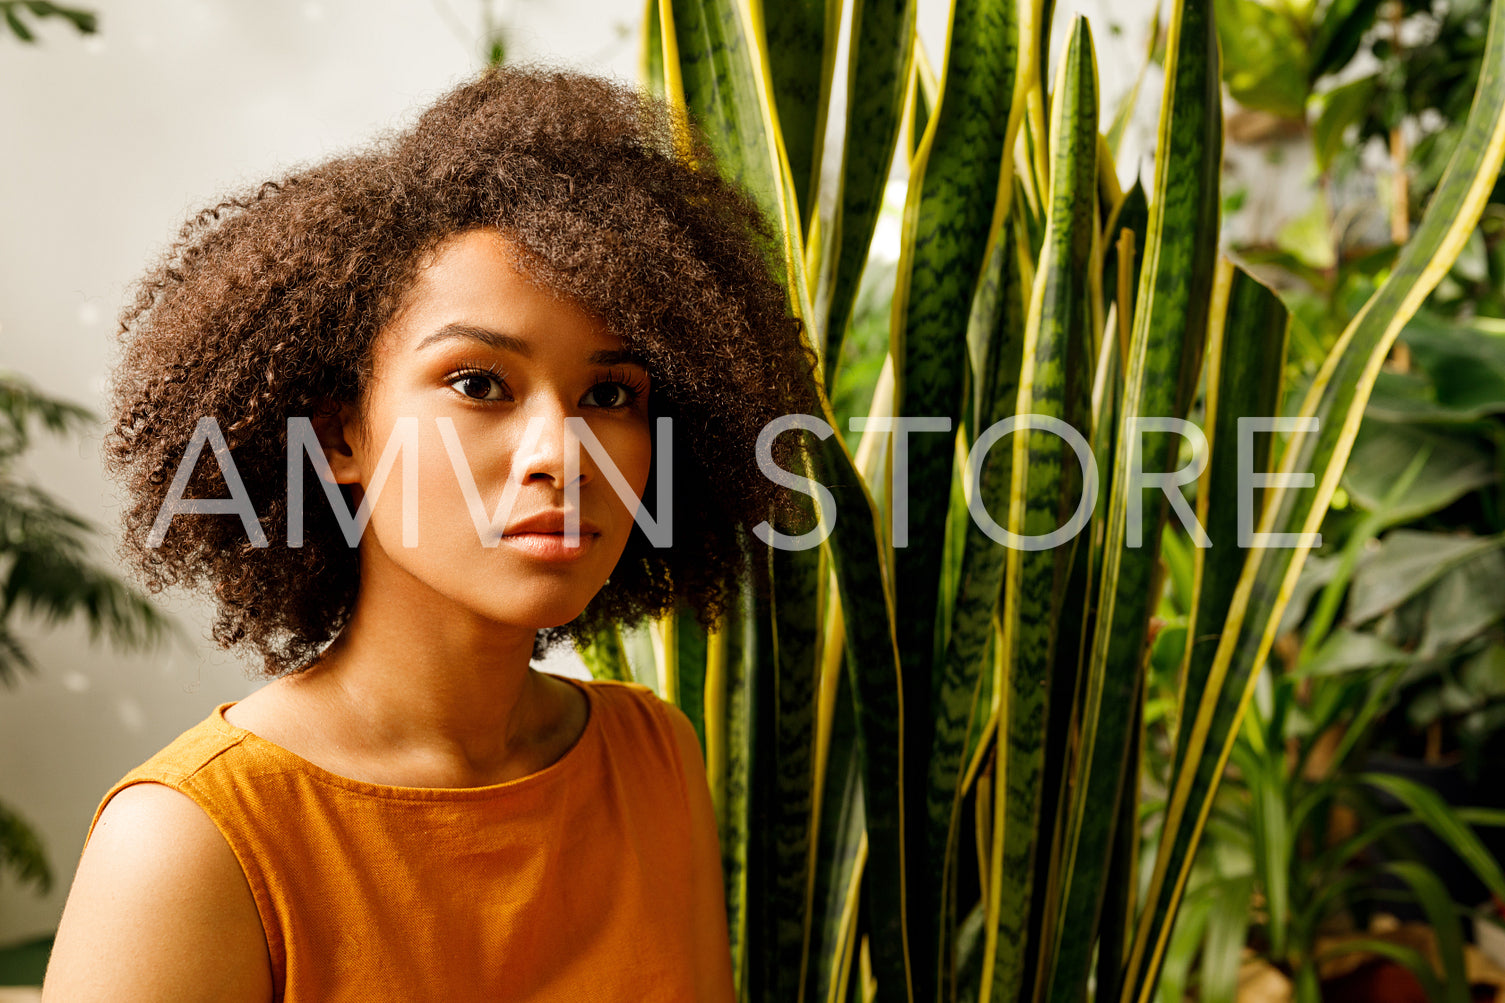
<point>418,692</point>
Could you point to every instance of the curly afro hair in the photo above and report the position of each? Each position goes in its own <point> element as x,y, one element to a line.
<point>268,304</point>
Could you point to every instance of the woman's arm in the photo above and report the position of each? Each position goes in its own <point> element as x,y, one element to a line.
<point>159,910</point>
<point>713,974</point>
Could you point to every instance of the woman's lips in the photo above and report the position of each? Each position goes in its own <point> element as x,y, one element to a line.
<point>554,547</point>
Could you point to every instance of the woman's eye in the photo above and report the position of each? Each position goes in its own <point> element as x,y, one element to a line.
<point>610,395</point>
<point>479,386</point>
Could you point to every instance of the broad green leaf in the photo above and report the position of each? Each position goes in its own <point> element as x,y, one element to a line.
<point>1350,651</point>
<point>1465,603</point>
<point>1265,58</point>
<point>1484,672</point>
<point>1337,34</point>
<point>1342,107</point>
<point>1406,562</point>
<point>1382,450</point>
<point>1411,397</point>
<point>1308,238</point>
<point>1465,363</point>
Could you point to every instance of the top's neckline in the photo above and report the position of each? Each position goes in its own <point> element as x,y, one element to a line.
<point>560,767</point>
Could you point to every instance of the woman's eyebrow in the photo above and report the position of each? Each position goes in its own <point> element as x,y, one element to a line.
<point>495,339</point>
<point>621,357</point>
<point>518,346</point>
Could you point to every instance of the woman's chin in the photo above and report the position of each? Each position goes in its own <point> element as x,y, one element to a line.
<point>545,615</point>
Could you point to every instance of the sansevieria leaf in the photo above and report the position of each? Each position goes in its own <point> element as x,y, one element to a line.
<point>1049,488</point>
<point>947,219</point>
<point>924,745</point>
<point>1165,349</point>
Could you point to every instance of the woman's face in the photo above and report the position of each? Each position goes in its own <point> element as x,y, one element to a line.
<point>479,349</point>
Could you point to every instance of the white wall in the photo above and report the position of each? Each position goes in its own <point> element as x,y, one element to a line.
<point>105,146</point>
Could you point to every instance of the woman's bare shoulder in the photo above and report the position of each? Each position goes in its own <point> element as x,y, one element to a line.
<point>159,910</point>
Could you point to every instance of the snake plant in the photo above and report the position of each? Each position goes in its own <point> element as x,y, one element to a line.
<point>922,736</point>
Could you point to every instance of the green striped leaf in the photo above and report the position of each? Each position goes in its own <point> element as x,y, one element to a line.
<point>859,556</point>
<point>763,922</point>
<point>1246,348</point>
<point>690,675</point>
<point>947,220</point>
<point>1047,483</point>
<point>879,71</point>
<point>786,733</point>
<point>839,850</point>
<point>1132,214</point>
<point>801,44</point>
<point>925,91</point>
<point>716,68</point>
<point>651,56</point>
<point>963,690</point>
<point>736,662</point>
<point>1169,325</point>
<point>604,657</point>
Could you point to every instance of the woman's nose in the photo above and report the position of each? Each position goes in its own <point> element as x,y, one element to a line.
<point>546,453</point>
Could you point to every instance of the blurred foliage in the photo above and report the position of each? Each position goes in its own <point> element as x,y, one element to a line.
<point>1305,843</point>
<point>1430,587</point>
<point>1394,638</point>
<point>46,571</point>
<point>493,35</point>
<point>1377,88</point>
<point>17,12</point>
<point>1276,53</point>
<point>45,567</point>
<point>1399,84</point>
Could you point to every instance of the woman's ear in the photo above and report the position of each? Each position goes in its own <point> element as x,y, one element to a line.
<point>337,426</point>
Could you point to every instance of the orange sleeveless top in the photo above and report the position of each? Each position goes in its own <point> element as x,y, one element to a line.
<point>577,883</point>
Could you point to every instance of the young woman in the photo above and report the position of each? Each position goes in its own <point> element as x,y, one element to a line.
<point>408,810</point>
